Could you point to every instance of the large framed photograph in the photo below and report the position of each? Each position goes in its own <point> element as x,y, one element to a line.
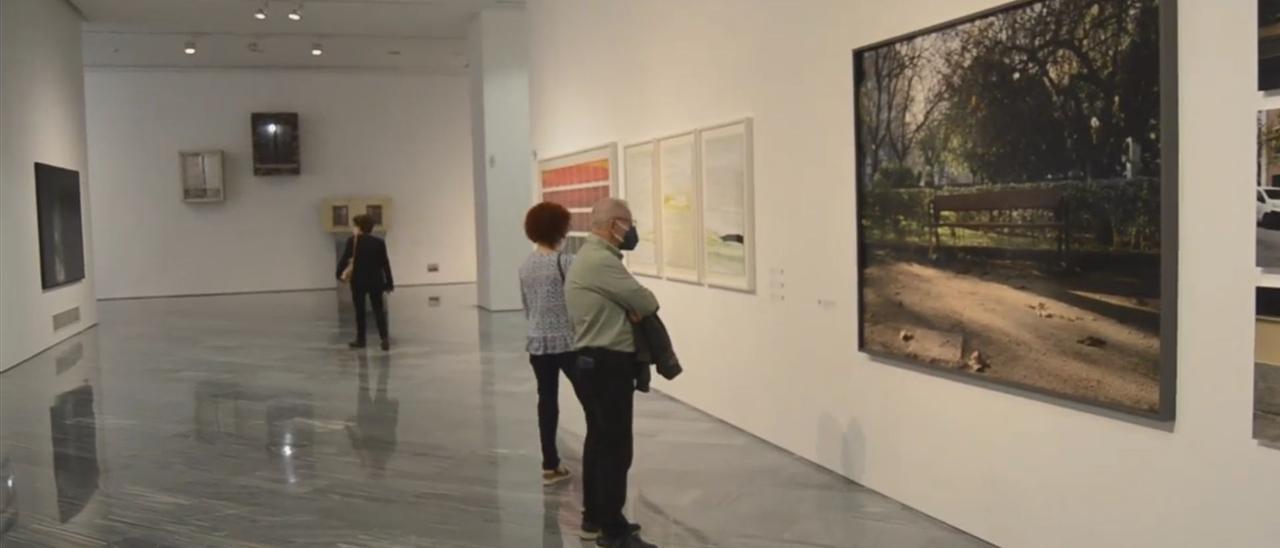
<point>728,216</point>
<point>577,181</point>
<point>681,208</point>
<point>640,162</point>
<point>1017,201</point>
<point>61,226</point>
<point>1267,195</point>
<point>1266,376</point>
<point>276,143</point>
<point>1268,45</point>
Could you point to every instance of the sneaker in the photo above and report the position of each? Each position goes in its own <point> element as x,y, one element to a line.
<point>630,541</point>
<point>552,477</point>
<point>386,345</point>
<point>355,344</point>
<point>591,531</point>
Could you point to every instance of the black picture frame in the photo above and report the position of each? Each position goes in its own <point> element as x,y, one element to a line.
<point>61,226</point>
<point>1268,45</point>
<point>276,143</point>
<point>1168,229</point>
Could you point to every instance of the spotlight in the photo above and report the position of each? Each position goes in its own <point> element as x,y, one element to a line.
<point>295,15</point>
<point>317,50</point>
<point>260,15</point>
<point>189,48</point>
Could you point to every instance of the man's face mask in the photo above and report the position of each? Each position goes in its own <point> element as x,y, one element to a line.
<point>630,238</point>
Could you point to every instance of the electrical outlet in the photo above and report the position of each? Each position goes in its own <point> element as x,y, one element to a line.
<point>433,267</point>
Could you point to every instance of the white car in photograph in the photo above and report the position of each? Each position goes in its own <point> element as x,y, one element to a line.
<point>1269,207</point>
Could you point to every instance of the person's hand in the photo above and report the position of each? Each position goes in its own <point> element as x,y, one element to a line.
<point>635,318</point>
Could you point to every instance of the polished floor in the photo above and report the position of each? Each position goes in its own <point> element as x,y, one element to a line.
<point>244,421</point>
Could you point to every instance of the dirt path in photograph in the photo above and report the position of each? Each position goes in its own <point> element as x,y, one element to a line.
<point>1020,331</point>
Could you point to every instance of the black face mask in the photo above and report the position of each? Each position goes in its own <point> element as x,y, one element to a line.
<point>630,239</point>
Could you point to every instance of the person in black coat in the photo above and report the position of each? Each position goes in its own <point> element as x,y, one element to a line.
<point>370,276</point>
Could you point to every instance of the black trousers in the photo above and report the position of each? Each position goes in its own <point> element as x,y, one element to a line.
<point>379,311</point>
<point>608,381</point>
<point>547,368</point>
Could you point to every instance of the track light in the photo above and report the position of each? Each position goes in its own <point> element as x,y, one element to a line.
<point>260,15</point>
<point>189,48</point>
<point>295,15</point>
<point>316,49</point>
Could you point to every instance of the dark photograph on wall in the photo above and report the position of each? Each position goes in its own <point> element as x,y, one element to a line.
<point>1268,44</point>
<point>275,143</point>
<point>60,225</point>
<point>374,212</point>
<point>1016,198</point>
<point>1266,372</point>
<point>1267,195</point>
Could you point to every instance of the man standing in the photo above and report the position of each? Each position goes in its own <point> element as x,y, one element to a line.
<point>604,300</point>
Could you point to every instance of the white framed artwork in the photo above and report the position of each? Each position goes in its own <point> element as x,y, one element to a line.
<point>202,176</point>
<point>728,217</point>
<point>640,168</point>
<point>680,207</point>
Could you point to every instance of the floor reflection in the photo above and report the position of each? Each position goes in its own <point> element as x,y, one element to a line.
<point>229,422</point>
<point>373,430</point>
<point>74,434</point>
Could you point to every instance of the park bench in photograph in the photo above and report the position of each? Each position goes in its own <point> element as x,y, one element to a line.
<point>994,203</point>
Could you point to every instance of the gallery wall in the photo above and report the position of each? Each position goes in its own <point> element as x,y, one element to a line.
<point>402,135</point>
<point>42,108</point>
<point>783,363</point>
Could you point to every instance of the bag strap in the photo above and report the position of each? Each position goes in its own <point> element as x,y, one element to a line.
<point>560,265</point>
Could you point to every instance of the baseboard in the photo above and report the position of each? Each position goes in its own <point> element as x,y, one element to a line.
<point>263,292</point>
<point>32,357</point>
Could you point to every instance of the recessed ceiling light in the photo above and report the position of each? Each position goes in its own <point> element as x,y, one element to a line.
<point>393,52</point>
<point>295,15</point>
<point>189,48</point>
<point>317,50</point>
<point>260,15</point>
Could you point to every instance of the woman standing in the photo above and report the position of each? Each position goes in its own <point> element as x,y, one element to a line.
<point>364,265</point>
<point>550,342</point>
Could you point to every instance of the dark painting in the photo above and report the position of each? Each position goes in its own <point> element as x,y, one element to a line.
<point>275,143</point>
<point>75,450</point>
<point>61,231</point>
<point>1268,44</point>
<point>1014,198</point>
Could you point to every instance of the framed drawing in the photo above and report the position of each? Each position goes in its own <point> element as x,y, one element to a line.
<point>727,206</point>
<point>577,181</point>
<point>640,161</point>
<point>681,212</point>
<point>202,177</point>
<point>1016,200</point>
<point>60,225</point>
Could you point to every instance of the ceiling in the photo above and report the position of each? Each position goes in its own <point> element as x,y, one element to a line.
<point>393,34</point>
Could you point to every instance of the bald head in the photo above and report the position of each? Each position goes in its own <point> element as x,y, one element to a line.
<point>608,210</point>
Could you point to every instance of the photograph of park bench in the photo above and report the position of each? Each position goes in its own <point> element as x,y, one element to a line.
<point>1009,199</point>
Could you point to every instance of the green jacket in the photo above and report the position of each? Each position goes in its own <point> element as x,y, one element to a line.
<point>599,293</point>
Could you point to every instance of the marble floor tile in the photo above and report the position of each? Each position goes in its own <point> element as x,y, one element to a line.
<point>245,421</point>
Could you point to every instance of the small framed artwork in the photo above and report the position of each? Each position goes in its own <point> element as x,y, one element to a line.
<point>374,211</point>
<point>578,180</point>
<point>276,143</point>
<point>202,176</point>
<point>341,215</point>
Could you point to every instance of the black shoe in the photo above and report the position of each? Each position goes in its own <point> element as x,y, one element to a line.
<point>386,345</point>
<point>630,541</point>
<point>591,531</point>
<point>355,344</point>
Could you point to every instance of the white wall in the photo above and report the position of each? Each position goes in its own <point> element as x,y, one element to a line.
<point>497,48</point>
<point>404,135</point>
<point>42,119</point>
<point>1010,469</point>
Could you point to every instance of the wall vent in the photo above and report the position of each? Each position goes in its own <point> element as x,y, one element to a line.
<point>66,318</point>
